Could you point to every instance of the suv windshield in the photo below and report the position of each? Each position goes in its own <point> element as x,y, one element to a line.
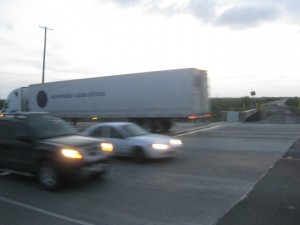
<point>51,128</point>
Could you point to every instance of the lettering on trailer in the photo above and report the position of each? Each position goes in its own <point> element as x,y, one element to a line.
<point>42,97</point>
<point>79,95</point>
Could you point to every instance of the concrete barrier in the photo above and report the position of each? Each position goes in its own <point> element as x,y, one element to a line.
<point>240,116</point>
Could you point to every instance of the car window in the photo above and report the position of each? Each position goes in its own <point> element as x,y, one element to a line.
<point>115,134</point>
<point>102,131</point>
<point>6,105</point>
<point>50,128</point>
<point>97,132</point>
<point>19,130</point>
<point>134,130</point>
<point>106,131</point>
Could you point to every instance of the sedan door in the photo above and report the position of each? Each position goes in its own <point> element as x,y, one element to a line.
<point>121,145</point>
<point>114,136</point>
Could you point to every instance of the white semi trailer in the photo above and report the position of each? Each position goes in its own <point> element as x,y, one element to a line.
<point>152,99</point>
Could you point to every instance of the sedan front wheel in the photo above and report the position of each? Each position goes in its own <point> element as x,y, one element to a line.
<point>139,155</point>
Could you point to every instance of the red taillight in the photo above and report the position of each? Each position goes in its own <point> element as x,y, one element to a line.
<point>193,117</point>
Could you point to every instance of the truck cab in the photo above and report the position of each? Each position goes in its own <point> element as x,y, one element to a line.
<point>15,101</point>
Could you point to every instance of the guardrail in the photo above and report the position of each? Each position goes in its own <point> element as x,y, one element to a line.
<point>240,116</point>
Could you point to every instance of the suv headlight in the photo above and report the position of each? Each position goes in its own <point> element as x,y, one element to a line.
<point>71,153</point>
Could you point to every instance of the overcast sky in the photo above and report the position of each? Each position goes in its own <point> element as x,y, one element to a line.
<point>244,45</point>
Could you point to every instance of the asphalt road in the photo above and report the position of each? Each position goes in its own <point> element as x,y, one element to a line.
<point>275,199</point>
<point>218,168</point>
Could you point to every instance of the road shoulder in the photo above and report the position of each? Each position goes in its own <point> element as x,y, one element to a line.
<point>275,199</point>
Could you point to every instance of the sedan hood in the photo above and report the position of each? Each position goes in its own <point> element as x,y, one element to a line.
<point>151,138</point>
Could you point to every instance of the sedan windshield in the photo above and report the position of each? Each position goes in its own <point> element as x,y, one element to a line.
<point>52,128</point>
<point>134,130</point>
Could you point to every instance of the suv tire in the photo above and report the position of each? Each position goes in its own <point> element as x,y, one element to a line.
<point>49,177</point>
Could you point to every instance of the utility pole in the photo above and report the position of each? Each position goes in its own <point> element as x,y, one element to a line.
<point>44,56</point>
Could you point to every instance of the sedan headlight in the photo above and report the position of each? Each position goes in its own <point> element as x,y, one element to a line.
<point>160,146</point>
<point>175,142</point>
<point>71,153</point>
<point>107,147</point>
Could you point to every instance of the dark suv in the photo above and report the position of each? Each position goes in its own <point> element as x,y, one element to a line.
<point>49,148</point>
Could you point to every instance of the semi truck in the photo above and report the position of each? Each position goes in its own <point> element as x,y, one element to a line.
<point>151,99</point>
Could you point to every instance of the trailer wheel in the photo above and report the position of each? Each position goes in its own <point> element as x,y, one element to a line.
<point>155,125</point>
<point>166,124</point>
<point>149,125</point>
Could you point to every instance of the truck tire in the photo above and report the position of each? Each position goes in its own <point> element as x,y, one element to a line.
<point>149,125</point>
<point>48,176</point>
<point>166,124</point>
<point>155,125</point>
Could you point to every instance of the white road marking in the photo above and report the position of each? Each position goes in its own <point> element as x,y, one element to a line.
<point>59,216</point>
<point>198,130</point>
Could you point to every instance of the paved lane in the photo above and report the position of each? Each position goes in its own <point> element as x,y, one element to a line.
<point>217,167</point>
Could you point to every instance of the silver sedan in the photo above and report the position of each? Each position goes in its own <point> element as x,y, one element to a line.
<point>129,139</point>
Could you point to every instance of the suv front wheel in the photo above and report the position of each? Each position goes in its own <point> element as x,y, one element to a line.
<point>48,176</point>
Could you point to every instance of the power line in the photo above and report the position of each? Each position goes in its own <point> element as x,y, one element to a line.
<point>237,77</point>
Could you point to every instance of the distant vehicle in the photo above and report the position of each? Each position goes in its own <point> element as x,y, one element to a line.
<point>131,140</point>
<point>37,144</point>
<point>151,99</point>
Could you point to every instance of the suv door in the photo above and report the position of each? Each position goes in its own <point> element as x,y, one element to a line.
<point>121,145</point>
<point>21,146</point>
<point>4,146</point>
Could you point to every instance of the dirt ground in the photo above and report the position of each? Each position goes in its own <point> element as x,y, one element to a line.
<point>278,113</point>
